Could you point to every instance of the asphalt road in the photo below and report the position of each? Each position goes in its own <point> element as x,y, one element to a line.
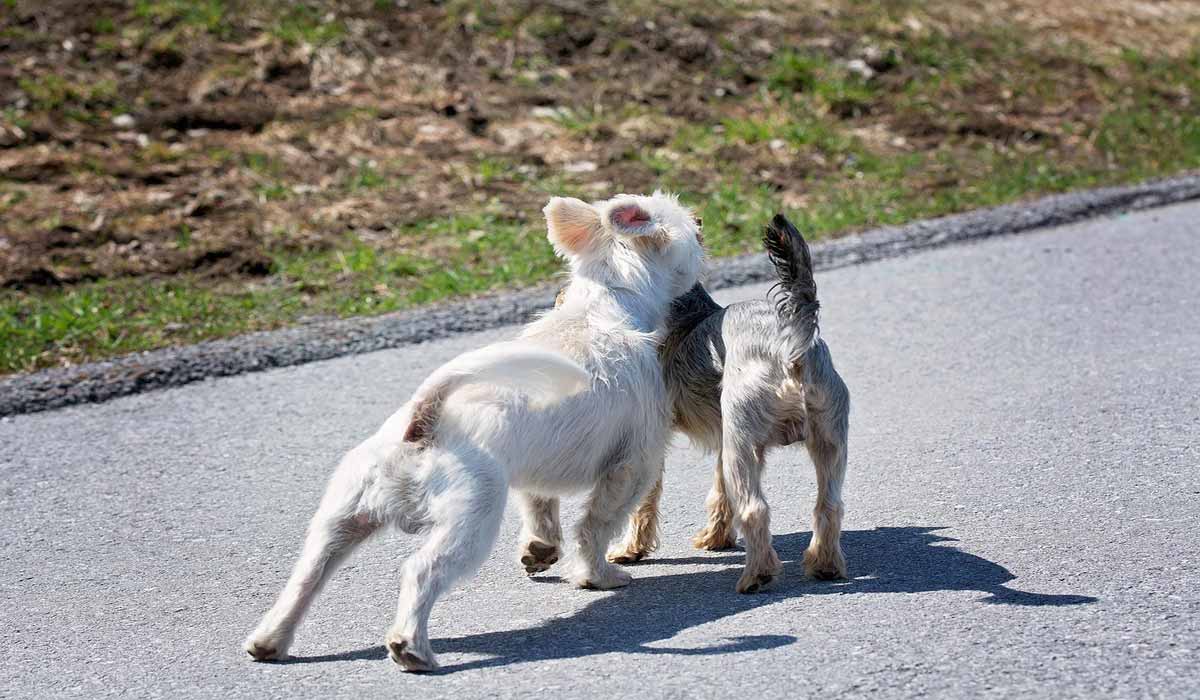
<point>1022,513</point>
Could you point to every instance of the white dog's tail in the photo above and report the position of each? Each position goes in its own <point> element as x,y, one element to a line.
<point>535,371</point>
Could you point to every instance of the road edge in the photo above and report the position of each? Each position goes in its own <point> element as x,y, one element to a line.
<point>172,367</point>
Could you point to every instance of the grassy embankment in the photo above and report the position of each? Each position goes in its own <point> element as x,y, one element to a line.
<point>345,199</point>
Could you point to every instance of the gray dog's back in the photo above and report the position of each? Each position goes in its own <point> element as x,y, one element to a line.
<point>703,334</point>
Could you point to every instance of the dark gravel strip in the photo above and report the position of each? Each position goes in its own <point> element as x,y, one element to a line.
<point>170,367</point>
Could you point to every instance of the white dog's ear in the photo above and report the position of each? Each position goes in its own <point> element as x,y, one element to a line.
<point>629,217</point>
<point>572,224</point>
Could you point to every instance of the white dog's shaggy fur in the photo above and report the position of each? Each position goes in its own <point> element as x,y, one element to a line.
<point>576,402</point>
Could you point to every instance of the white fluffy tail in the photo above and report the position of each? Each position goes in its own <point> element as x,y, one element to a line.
<point>535,371</point>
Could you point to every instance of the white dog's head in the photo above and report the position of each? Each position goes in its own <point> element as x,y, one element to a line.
<point>647,245</point>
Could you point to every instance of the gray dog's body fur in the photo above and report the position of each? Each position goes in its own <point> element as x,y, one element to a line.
<point>742,379</point>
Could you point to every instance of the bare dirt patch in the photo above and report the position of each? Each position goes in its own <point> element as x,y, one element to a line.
<point>201,147</point>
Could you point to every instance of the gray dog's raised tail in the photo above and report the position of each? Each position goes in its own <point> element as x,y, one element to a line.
<point>795,295</point>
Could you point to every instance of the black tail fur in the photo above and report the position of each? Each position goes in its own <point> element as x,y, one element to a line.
<point>795,295</point>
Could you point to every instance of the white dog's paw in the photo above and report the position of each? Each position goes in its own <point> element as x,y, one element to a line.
<point>604,578</point>
<point>412,657</point>
<point>536,557</point>
<point>264,647</point>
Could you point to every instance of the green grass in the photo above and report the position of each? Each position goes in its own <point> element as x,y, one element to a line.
<point>1156,143</point>
<point>489,169</point>
<point>366,177</point>
<point>273,191</point>
<point>206,15</point>
<point>481,252</point>
<point>112,318</point>
<point>793,71</point>
<point>52,92</point>
<point>303,24</point>
<point>292,22</point>
<point>476,253</point>
<point>11,196</point>
<point>108,318</point>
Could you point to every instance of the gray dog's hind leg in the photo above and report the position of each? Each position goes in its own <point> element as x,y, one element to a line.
<point>828,405</point>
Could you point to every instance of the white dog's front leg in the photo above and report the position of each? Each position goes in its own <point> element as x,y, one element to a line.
<point>608,506</point>
<point>541,534</point>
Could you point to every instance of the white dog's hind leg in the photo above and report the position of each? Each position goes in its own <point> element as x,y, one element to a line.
<point>541,534</point>
<point>466,518</point>
<point>338,526</point>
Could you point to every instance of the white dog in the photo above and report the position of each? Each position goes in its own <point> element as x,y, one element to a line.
<point>576,402</point>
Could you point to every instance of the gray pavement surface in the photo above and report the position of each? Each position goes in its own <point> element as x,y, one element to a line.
<point>326,339</point>
<point>1022,513</point>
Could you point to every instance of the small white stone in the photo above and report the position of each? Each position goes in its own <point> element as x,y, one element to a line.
<point>124,121</point>
<point>860,68</point>
<point>582,166</point>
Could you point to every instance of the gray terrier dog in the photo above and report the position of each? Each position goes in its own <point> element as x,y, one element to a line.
<point>742,379</point>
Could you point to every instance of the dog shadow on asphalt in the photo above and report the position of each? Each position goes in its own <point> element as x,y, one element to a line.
<point>656,608</point>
